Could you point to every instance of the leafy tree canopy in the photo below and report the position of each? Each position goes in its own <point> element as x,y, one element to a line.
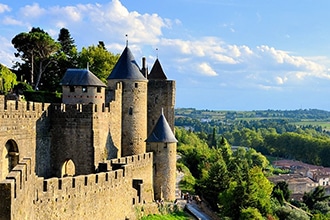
<point>98,59</point>
<point>35,48</point>
<point>7,80</point>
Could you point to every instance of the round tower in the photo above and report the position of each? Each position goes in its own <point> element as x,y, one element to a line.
<point>134,103</point>
<point>163,143</point>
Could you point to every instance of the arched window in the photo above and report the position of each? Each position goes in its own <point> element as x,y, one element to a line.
<point>68,168</point>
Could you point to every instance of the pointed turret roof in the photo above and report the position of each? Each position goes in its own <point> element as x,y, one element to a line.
<point>80,77</point>
<point>157,71</point>
<point>126,67</point>
<point>162,132</point>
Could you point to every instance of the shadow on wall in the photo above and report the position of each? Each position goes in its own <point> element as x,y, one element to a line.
<point>42,151</point>
<point>111,148</point>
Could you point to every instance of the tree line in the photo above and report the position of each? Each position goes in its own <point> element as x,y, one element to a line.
<point>274,137</point>
<point>44,60</point>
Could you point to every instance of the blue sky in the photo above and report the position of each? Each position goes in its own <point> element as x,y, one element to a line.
<point>223,54</point>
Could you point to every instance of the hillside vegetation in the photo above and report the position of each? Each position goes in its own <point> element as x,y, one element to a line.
<point>223,158</point>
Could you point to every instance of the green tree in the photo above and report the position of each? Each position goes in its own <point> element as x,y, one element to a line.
<point>250,213</point>
<point>99,60</point>
<point>218,180</point>
<point>281,192</point>
<point>317,195</point>
<point>254,191</point>
<point>65,58</point>
<point>35,47</point>
<point>7,80</point>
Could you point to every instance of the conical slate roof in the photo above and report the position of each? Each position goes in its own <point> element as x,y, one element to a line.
<point>80,77</point>
<point>162,132</point>
<point>157,71</point>
<point>126,67</point>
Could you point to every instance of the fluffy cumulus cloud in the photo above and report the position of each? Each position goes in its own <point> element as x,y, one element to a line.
<point>263,66</point>
<point>110,22</point>
<point>32,11</point>
<point>274,67</point>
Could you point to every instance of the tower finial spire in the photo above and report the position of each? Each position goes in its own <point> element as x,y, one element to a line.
<point>157,53</point>
<point>126,40</point>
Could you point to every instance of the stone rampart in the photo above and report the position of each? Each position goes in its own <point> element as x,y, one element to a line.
<point>109,195</point>
<point>16,192</point>
<point>24,131</point>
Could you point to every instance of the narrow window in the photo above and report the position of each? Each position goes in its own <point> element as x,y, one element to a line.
<point>130,111</point>
<point>98,89</point>
<point>71,88</point>
<point>84,89</point>
<point>136,85</point>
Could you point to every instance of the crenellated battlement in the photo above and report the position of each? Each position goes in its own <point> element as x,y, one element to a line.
<point>15,188</point>
<point>133,160</point>
<point>12,108</point>
<point>22,173</point>
<point>71,187</point>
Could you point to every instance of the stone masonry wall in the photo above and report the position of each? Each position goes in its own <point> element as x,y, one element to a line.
<point>72,138</point>
<point>161,95</point>
<point>134,117</point>
<point>26,126</point>
<point>105,195</point>
<point>164,170</point>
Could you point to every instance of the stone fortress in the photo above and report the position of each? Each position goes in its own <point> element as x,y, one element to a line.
<point>106,152</point>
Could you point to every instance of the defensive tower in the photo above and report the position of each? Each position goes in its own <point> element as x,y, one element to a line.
<point>162,143</point>
<point>161,96</point>
<point>82,86</point>
<point>134,103</point>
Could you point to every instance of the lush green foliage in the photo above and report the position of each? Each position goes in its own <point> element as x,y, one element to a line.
<point>99,60</point>
<point>269,134</point>
<point>231,182</point>
<point>44,60</point>
<point>234,182</point>
<point>36,49</point>
<point>7,80</point>
<point>179,215</point>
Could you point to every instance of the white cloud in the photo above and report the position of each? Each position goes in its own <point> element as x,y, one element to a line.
<point>284,59</point>
<point>4,8</point>
<point>203,56</point>
<point>7,52</point>
<point>12,21</point>
<point>32,11</point>
<point>206,69</point>
<point>281,80</point>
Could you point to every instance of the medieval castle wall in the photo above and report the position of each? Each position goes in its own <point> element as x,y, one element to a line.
<point>83,161</point>
<point>24,132</point>
<point>115,192</point>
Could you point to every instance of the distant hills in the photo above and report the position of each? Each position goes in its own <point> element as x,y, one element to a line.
<point>301,115</point>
